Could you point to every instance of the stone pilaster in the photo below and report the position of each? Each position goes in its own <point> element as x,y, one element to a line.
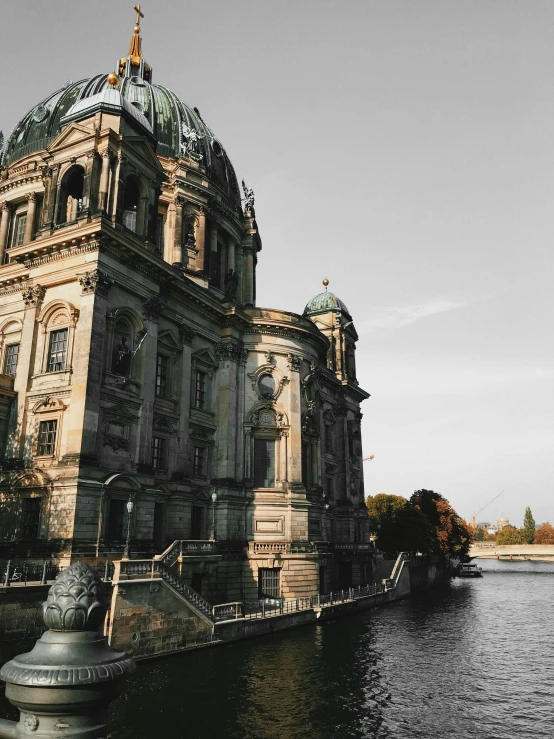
<point>183,451</point>
<point>201,261</point>
<point>31,214</point>
<point>19,445</point>
<point>151,312</point>
<point>213,254</point>
<point>248,277</point>
<point>5,211</point>
<point>88,365</point>
<point>104,182</point>
<point>177,257</point>
<point>295,439</point>
<point>228,355</point>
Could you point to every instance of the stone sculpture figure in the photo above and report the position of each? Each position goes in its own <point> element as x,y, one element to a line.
<point>121,359</point>
<point>231,284</point>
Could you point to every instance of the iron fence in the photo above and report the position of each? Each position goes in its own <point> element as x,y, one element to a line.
<point>21,572</point>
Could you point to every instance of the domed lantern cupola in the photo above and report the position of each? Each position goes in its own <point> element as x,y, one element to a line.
<point>332,318</point>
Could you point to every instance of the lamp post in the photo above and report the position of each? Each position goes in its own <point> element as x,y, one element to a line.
<point>127,550</point>
<point>214,501</point>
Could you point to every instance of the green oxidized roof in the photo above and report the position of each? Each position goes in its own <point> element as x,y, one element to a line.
<point>325,302</point>
<point>172,122</point>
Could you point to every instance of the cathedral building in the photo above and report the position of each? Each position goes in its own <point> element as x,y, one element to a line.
<point>137,366</point>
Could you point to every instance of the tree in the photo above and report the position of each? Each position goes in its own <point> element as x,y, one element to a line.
<point>544,534</point>
<point>509,535</point>
<point>382,507</point>
<point>452,534</point>
<point>406,530</point>
<point>529,526</point>
<point>479,534</point>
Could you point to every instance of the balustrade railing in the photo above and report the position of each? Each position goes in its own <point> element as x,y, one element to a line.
<point>186,547</point>
<point>269,607</point>
<point>182,587</point>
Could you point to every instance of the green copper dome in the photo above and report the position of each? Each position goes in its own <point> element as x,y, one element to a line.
<point>325,302</point>
<point>179,129</point>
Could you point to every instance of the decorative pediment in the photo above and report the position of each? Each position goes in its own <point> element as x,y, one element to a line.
<point>201,433</point>
<point>48,405</point>
<point>163,423</point>
<point>119,414</point>
<point>267,415</point>
<point>205,357</point>
<point>168,340</point>
<point>71,134</point>
<point>141,148</point>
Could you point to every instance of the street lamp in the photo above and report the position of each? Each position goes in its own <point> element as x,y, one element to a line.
<point>214,501</point>
<point>126,551</point>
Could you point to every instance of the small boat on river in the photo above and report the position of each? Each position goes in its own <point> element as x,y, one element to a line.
<point>468,569</point>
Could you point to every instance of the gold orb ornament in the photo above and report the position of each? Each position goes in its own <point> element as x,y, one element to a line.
<point>137,29</point>
<point>113,79</point>
<point>325,282</point>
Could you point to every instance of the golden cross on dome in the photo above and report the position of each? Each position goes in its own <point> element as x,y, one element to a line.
<point>139,14</point>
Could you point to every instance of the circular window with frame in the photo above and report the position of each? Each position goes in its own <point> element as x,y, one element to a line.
<point>266,386</point>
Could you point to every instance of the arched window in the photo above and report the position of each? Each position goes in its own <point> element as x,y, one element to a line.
<point>58,320</point>
<point>132,212</point>
<point>71,194</point>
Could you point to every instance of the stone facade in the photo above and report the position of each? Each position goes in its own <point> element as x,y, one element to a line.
<point>136,365</point>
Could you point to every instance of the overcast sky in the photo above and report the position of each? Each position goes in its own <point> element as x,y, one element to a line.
<point>404,150</point>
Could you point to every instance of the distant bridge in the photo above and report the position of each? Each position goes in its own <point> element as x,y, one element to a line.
<point>490,550</point>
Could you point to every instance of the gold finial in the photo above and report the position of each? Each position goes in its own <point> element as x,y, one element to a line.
<point>325,283</point>
<point>135,52</point>
<point>113,79</point>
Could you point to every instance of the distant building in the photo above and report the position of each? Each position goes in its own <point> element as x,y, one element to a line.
<point>501,522</point>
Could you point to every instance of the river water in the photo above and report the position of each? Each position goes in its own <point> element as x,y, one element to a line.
<point>472,659</point>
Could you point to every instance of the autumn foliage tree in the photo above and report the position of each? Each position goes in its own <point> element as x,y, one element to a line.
<point>382,508</point>
<point>544,534</point>
<point>452,534</point>
<point>509,535</point>
<point>426,524</point>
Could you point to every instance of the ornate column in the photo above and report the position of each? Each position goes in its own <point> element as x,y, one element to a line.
<point>88,194</point>
<point>213,254</point>
<point>104,181</point>
<point>178,232</point>
<point>5,211</point>
<point>30,222</point>
<point>52,195</point>
<point>201,262</point>
<point>231,254</point>
<point>248,277</point>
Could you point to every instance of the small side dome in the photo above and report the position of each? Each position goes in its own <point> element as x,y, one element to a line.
<point>325,302</point>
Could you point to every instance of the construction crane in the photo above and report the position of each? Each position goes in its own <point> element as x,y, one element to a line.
<point>474,517</point>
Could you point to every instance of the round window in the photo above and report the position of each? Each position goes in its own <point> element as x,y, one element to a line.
<point>266,386</point>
